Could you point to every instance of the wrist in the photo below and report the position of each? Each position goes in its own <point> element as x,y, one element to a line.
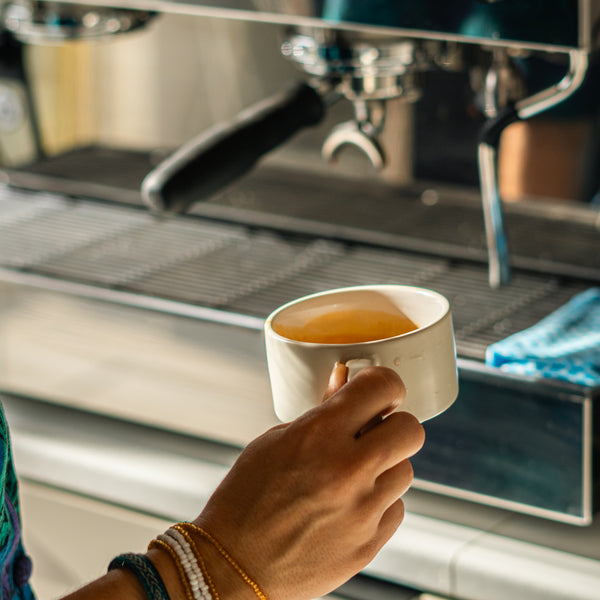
<point>193,564</point>
<point>227,581</point>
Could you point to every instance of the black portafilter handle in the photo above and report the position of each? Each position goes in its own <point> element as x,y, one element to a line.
<point>224,153</point>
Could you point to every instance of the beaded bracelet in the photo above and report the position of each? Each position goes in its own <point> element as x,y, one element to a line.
<point>206,535</point>
<point>198,557</point>
<point>194,574</point>
<point>141,566</point>
<point>189,562</point>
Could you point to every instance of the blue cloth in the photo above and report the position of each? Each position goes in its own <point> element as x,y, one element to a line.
<point>564,345</point>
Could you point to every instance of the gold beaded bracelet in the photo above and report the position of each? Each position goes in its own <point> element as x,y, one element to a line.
<point>206,535</point>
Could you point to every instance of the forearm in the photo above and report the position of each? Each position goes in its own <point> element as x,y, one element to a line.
<point>115,585</point>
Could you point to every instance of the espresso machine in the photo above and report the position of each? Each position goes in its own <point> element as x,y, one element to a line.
<point>173,170</point>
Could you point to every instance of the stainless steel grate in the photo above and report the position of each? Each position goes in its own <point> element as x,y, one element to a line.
<point>249,271</point>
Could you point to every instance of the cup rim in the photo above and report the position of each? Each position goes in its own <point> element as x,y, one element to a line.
<point>268,327</point>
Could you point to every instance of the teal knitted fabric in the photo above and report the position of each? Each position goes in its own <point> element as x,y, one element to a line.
<point>564,345</point>
<point>15,565</point>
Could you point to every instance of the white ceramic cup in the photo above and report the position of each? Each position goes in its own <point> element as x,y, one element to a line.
<point>424,358</point>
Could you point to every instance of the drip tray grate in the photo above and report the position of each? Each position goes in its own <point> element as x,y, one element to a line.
<point>250,271</point>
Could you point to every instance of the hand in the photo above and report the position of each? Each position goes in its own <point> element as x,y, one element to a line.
<point>310,503</point>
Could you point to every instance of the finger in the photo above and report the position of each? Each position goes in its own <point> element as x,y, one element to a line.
<point>390,521</point>
<point>371,392</point>
<point>392,484</point>
<point>386,527</point>
<point>338,377</point>
<point>397,438</point>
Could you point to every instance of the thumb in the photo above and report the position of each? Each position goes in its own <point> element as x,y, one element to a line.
<point>338,377</point>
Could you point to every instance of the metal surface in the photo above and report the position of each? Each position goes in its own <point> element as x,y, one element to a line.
<point>234,270</point>
<point>501,423</point>
<point>546,99</point>
<point>549,32</point>
<point>442,223</point>
<point>37,22</point>
<point>436,220</point>
<point>499,266</point>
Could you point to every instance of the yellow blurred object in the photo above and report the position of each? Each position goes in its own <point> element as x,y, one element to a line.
<point>62,94</point>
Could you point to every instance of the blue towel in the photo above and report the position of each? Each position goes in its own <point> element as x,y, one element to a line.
<point>564,345</point>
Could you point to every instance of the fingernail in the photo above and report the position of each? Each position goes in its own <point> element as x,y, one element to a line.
<point>337,378</point>
<point>339,374</point>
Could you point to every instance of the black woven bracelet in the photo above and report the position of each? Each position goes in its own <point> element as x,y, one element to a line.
<point>145,571</point>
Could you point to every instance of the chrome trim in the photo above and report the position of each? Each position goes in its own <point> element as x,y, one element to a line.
<point>587,466</point>
<point>550,97</point>
<point>589,11</point>
<point>498,257</point>
<point>587,475</point>
<point>28,21</point>
<point>438,488</point>
<point>172,307</point>
<point>247,13</point>
<point>584,16</point>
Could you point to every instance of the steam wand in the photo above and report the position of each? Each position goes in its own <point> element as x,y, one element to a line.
<point>499,265</point>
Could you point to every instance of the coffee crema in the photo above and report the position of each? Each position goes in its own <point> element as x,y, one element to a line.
<point>348,326</point>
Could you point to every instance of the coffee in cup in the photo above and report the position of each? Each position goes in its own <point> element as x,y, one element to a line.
<point>348,326</point>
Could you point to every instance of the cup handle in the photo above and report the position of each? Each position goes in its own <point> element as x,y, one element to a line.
<point>357,364</point>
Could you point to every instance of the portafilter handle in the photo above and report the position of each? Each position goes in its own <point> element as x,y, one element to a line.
<point>219,156</point>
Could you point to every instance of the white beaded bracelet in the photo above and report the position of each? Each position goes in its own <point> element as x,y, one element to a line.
<point>193,573</point>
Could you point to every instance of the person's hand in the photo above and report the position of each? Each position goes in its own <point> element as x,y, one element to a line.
<point>310,503</point>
